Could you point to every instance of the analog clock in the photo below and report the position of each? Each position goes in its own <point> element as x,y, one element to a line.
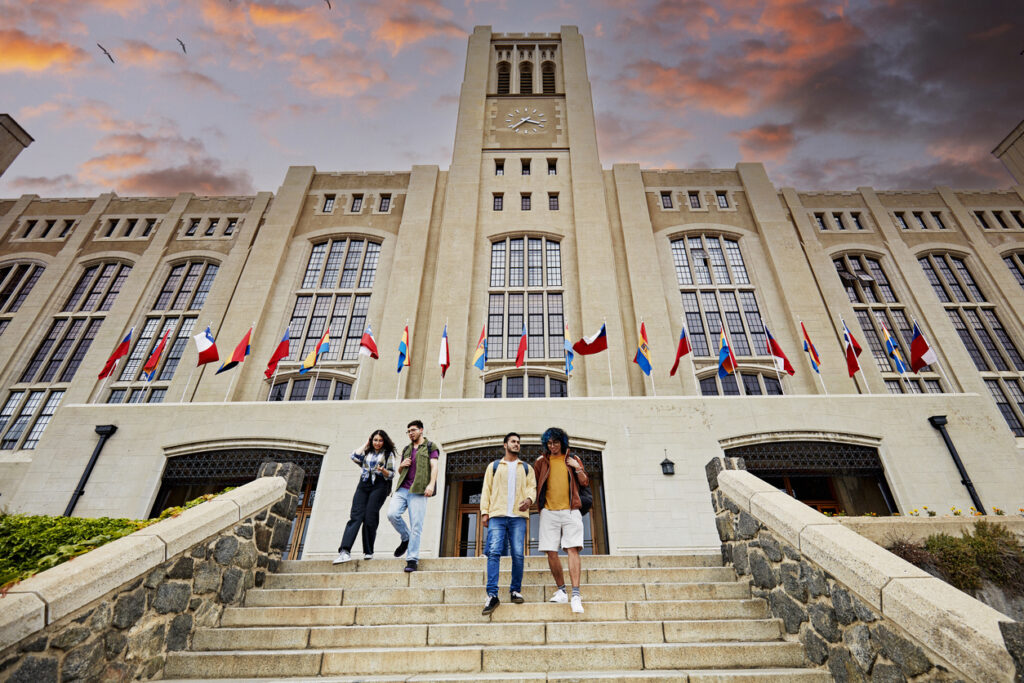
<point>526,120</point>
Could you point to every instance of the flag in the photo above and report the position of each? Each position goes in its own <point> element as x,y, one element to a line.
<point>681,350</point>
<point>367,346</point>
<point>852,350</point>
<point>893,350</point>
<point>149,369</point>
<point>444,359</point>
<point>119,352</point>
<point>775,351</point>
<point>280,352</point>
<point>480,357</point>
<point>403,350</point>
<point>568,352</point>
<point>921,355</point>
<point>322,346</point>
<point>241,351</point>
<point>595,343</point>
<point>812,353</point>
<point>726,360</point>
<point>521,351</point>
<point>643,352</point>
<point>206,347</point>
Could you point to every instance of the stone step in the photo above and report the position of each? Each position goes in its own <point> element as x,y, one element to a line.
<point>488,659</point>
<point>768,675</point>
<point>382,564</point>
<point>378,615</point>
<point>535,577</point>
<point>309,597</point>
<point>525,633</point>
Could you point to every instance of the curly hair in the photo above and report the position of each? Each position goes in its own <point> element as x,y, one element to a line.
<point>555,433</point>
<point>389,445</point>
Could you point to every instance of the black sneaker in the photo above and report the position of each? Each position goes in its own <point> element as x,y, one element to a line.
<point>517,598</point>
<point>402,547</point>
<point>492,604</point>
<point>411,566</point>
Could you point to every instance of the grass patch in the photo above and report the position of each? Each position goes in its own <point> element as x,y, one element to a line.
<point>991,553</point>
<point>30,544</point>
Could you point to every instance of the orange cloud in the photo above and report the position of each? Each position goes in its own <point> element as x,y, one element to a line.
<point>110,163</point>
<point>310,21</point>
<point>767,141</point>
<point>343,73</point>
<point>681,86</point>
<point>22,52</point>
<point>404,30</point>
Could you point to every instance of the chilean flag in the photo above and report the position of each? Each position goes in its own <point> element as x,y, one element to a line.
<point>521,351</point>
<point>921,354</point>
<point>593,344</point>
<point>119,352</point>
<point>681,350</point>
<point>241,351</point>
<point>149,369</point>
<point>853,350</point>
<point>444,359</point>
<point>775,351</point>
<point>280,352</point>
<point>367,346</point>
<point>206,346</point>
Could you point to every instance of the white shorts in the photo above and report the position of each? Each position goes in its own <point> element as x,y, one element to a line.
<point>559,529</point>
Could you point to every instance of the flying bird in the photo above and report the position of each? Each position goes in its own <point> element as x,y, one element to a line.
<point>182,45</point>
<point>328,4</point>
<point>106,53</point>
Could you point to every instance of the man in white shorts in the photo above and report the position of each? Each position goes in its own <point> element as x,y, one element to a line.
<point>559,477</point>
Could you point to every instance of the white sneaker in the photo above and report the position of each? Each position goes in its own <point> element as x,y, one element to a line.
<point>559,597</point>
<point>343,556</point>
<point>368,557</point>
<point>577,604</point>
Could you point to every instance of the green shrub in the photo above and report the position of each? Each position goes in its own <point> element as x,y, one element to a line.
<point>33,543</point>
<point>955,558</point>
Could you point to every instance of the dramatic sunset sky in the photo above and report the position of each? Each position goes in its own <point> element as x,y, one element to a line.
<point>890,93</point>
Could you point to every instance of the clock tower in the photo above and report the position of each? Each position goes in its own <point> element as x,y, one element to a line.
<point>525,167</point>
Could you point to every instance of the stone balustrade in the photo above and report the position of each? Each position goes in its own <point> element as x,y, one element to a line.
<point>859,610</point>
<point>113,613</point>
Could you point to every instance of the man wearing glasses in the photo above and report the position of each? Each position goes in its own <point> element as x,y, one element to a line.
<point>417,481</point>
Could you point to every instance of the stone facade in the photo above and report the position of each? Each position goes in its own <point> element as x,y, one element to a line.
<point>126,634</point>
<point>839,629</point>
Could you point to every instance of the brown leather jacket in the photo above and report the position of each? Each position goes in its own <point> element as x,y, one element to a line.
<point>542,467</point>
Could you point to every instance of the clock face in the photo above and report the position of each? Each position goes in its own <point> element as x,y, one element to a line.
<point>526,121</point>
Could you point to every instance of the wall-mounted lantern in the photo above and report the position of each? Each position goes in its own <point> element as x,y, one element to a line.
<point>667,466</point>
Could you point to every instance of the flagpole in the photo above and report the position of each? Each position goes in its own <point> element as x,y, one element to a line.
<point>359,375</point>
<point>771,353</point>
<point>273,381</point>
<point>860,368</point>
<point>739,377</point>
<point>611,381</point>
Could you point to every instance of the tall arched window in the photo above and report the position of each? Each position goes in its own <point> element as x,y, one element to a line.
<point>16,282</point>
<point>994,353</point>
<point>876,304</point>
<point>1015,262</point>
<point>174,311</point>
<point>547,72</point>
<point>525,284</point>
<point>716,290</point>
<point>525,78</point>
<point>504,78</point>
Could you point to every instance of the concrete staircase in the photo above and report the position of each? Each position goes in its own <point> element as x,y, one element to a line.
<point>647,618</point>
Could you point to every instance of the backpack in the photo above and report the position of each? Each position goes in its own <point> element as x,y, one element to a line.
<point>586,495</point>
<point>526,469</point>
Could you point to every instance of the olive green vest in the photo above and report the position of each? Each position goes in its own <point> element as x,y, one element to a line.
<point>419,483</point>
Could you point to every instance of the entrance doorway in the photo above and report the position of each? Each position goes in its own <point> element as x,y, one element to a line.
<point>462,531</point>
<point>189,476</point>
<point>830,477</point>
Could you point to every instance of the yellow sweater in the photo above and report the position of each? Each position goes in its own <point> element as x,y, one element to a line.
<point>494,495</point>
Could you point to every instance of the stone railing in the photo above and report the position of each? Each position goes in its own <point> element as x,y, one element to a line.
<point>858,609</point>
<point>113,613</point>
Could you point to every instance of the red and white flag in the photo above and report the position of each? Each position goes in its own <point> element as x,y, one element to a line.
<point>367,346</point>
<point>206,347</point>
<point>853,350</point>
<point>782,363</point>
<point>444,359</point>
<point>521,351</point>
<point>119,352</point>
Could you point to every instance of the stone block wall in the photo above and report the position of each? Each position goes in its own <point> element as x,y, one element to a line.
<point>125,633</point>
<point>859,611</point>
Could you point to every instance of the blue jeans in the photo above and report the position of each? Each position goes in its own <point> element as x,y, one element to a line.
<point>417,505</point>
<point>505,533</point>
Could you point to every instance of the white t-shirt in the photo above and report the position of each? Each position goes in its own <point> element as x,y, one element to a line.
<point>513,468</point>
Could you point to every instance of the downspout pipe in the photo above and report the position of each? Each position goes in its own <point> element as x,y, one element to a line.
<point>105,432</point>
<point>939,422</point>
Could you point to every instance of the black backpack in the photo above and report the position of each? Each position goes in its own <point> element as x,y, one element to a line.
<point>526,470</point>
<point>586,495</point>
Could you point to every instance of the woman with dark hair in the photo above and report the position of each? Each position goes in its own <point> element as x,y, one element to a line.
<point>376,459</point>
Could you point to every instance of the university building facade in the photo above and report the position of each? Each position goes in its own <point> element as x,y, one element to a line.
<point>524,228</point>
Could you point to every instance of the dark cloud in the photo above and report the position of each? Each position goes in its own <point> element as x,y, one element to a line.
<point>201,176</point>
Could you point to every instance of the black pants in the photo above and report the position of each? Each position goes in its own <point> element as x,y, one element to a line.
<point>366,504</point>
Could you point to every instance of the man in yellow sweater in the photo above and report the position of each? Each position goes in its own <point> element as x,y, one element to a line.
<point>559,478</point>
<point>508,492</point>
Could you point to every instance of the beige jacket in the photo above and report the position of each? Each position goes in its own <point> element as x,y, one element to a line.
<point>494,496</point>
